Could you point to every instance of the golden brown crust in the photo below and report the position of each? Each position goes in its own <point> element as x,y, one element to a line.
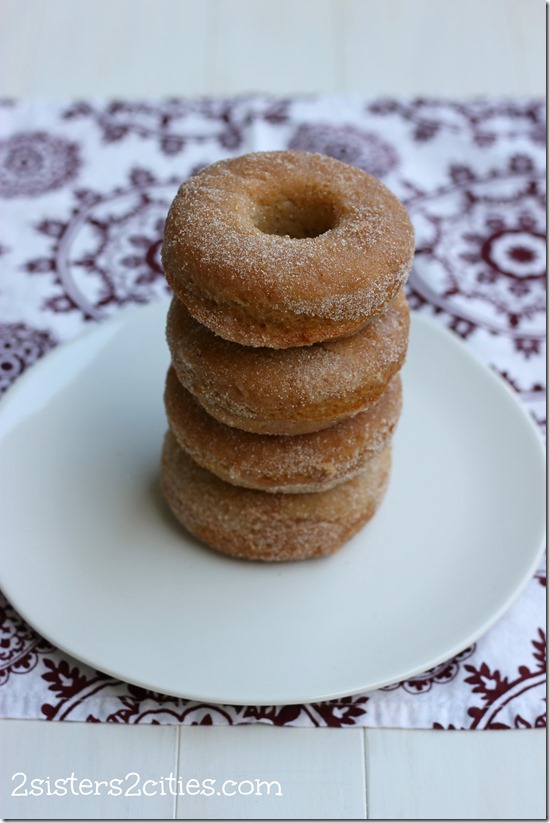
<point>299,463</point>
<point>290,391</point>
<point>257,525</point>
<point>286,248</point>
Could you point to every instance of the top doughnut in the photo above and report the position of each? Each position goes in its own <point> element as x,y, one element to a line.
<point>286,248</point>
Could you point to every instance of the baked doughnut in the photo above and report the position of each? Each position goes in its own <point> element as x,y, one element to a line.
<point>302,463</point>
<point>286,248</point>
<point>289,391</point>
<point>257,525</point>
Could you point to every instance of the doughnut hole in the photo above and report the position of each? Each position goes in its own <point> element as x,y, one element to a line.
<point>296,216</point>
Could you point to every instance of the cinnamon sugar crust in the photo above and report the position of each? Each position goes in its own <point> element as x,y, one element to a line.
<point>289,391</point>
<point>300,463</point>
<point>283,249</point>
<point>257,525</point>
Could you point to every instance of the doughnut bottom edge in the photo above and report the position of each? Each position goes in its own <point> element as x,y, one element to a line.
<point>258,525</point>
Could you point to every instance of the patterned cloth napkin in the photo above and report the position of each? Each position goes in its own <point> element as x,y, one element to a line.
<point>84,189</point>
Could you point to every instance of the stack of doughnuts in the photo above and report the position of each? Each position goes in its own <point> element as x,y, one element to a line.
<point>287,332</point>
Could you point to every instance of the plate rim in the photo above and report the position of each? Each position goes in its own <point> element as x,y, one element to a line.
<point>417,319</point>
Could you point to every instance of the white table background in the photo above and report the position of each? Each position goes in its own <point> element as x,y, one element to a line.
<point>79,48</point>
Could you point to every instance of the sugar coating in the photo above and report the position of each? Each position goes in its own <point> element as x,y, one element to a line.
<point>228,258</point>
<point>299,463</point>
<point>263,526</point>
<point>287,333</point>
<point>288,391</point>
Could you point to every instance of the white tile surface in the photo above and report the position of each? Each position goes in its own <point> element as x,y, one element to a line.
<point>274,45</point>
<point>40,749</point>
<point>528,28</point>
<point>448,48</point>
<point>320,771</point>
<point>117,47</point>
<point>431,775</point>
<point>186,47</point>
<point>410,774</point>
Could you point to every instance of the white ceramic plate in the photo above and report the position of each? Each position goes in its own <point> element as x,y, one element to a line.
<point>92,558</point>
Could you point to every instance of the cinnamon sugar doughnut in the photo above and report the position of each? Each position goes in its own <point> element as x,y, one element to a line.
<point>299,463</point>
<point>257,525</point>
<point>288,391</point>
<point>286,248</point>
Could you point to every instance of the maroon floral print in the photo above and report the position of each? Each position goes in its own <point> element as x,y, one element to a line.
<point>89,187</point>
<point>33,163</point>
<point>481,249</point>
<point>20,347</point>
<point>364,149</point>
<point>107,254</point>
